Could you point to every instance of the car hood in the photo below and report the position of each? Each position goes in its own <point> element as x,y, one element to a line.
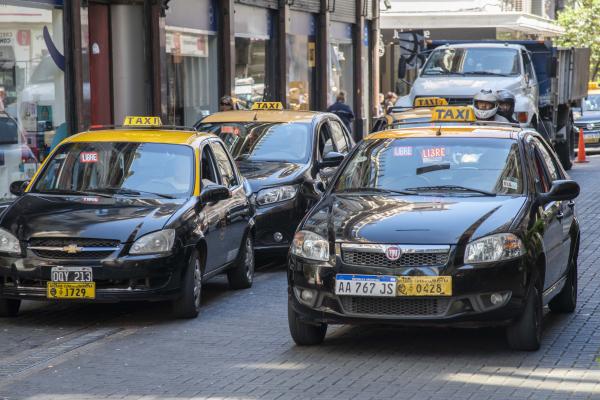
<point>462,85</point>
<point>261,174</point>
<point>587,117</point>
<point>412,219</point>
<point>116,218</point>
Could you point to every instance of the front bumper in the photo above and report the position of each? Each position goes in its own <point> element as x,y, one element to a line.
<point>282,218</point>
<point>469,304</point>
<point>128,278</point>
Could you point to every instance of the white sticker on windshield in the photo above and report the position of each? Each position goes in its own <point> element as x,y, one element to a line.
<point>403,151</point>
<point>508,184</point>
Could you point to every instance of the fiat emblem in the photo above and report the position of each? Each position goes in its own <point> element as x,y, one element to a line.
<point>393,253</point>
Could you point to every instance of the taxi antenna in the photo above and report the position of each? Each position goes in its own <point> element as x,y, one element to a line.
<point>439,131</point>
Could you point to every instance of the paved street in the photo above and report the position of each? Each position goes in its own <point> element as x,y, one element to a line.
<point>240,348</point>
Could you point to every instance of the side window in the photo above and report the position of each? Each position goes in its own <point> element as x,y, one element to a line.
<point>339,138</point>
<point>541,174</point>
<point>528,65</point>
<point>208,171</point>
<point>549,162</point>
<point>224,165</point>
<point>325,141</point>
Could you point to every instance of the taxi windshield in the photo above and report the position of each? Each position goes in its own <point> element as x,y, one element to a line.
<point>469,166</point>
<point>264,141</point>
<point>473,61</point>
<point>591,103</point>
<point>123,168</point>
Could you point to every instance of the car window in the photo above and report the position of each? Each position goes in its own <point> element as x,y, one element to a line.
<point>473,61</point>
<point>337,133</point>
<point>226,169</point>
<point>208,171</point>
<point>541,174</point>
<point>528,66</point>
<point>120,167</point>
<point>422,165</point>
<point>325,141</point>
<point>548,160</point>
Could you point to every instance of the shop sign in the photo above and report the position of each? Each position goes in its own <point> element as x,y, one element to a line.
<point>7,38</point>
<point>187,45</point>
<point>24,37</point>
<point>312,55</point>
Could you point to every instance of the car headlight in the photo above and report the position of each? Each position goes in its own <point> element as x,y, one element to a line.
<point>310,245</point>
<point>589,127</point>
<point>9,243</point>
<point>155,242</point>
<point>276,194</point>
<point>499,247</point>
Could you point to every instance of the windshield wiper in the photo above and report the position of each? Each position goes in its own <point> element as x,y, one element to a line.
<point>450,188</point>
<point>72,192</point>
<point>134,192</point>
<point>376,190</point>
<point>432,168</point>
<point>488,73</point>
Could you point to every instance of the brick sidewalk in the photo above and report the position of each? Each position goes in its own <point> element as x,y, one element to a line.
<point>240,348</point>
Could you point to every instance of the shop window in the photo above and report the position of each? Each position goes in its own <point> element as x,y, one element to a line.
<point>32,94</point>
<point>250,70</point>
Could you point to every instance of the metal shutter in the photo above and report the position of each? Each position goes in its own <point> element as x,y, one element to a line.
<point>313,6</point>
<point>261,3</point>
<point>344,11</point>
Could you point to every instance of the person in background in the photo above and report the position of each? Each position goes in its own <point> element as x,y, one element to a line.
<point>380,105</point>
<point>390,101</point>
<point>485,104</point>
<point>506,105</point>
<point>342,110</point>
<point>226,103</point>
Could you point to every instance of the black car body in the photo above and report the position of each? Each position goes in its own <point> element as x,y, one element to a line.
<point>407,233</point>
<point>175,214</point>
<point>282,164</point>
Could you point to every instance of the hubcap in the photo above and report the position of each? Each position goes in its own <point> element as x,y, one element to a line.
<point>249,260</point>
<point>197,283</point>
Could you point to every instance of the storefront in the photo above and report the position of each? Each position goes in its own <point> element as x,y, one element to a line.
<point>341,62</point>
<point>254,63</point>
<point>192,62</point>
<point>32,93</point>
<point>301,60</point>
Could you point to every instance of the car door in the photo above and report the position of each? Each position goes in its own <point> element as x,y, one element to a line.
<point>237,209</point>
<point>565,208</point>
<point>550,217</point>
<point>214,212</point>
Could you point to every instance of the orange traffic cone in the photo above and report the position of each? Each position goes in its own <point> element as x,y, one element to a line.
<point>581,148</point>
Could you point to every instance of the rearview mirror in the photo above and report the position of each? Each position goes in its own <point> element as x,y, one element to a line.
<point>560,190</point>
<point>17,188</point>
<point>331,159</point>
<point>214,193</point>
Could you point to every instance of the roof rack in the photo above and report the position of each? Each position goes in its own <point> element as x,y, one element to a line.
<point>161,127</point>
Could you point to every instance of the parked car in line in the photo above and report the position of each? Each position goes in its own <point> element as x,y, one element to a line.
<point>588,116</point>
<point>287,158</point>
<point>140,212</point>
<point>442,225</point>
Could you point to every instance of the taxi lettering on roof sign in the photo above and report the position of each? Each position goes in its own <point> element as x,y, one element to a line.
<point>267,105</point>
<point>593,86</point>
<point>452,114</point>
<point>142,121</point>
<point>430,102</point>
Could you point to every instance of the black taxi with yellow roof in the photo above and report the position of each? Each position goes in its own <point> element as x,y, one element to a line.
<point>419,114</point>
<point>138,212</point>
<point>287,157</point>
<point>460,223</point>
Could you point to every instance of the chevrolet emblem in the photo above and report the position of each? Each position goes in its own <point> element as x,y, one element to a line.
<point>72,249</point>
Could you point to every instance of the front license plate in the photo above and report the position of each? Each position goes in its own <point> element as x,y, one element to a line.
<point>424,286</point>
<point>365,285</point>
<point>591,138</point>
<point>71,274</point>
<point>70,290</point>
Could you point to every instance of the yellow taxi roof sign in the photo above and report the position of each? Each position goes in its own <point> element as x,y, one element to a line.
<point>593,86</point>
<point>430,102</point>
<point>142,121</point>
<point>453,114</point>
<point>267,105</point>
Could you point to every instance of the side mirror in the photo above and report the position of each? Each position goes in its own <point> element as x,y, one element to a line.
<point>214,193</point>
<point>331,159</point>
<point>560,190</point>
<point>18,187</point>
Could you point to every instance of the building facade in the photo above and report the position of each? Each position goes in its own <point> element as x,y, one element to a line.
<point>66,65</point>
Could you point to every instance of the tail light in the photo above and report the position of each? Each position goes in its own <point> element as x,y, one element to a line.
<point>522,117</point>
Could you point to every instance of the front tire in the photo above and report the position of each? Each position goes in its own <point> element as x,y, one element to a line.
<point>241,275</point>
<point>9,307</point>
<point>566,300</point>
<point>526,333</point>
<point>305,334</point>
<point>188,304</point>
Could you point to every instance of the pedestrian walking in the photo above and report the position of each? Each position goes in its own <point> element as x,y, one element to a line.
<point>342,110</point>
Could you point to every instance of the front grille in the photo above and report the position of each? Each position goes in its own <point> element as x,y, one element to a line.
<point>406,260</point>
<point>595,126</point>
<point>91,248</point>
<point>394,306</point>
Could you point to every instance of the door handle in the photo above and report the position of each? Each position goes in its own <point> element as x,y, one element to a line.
<point>571,204</point>
<point>560,215</point>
